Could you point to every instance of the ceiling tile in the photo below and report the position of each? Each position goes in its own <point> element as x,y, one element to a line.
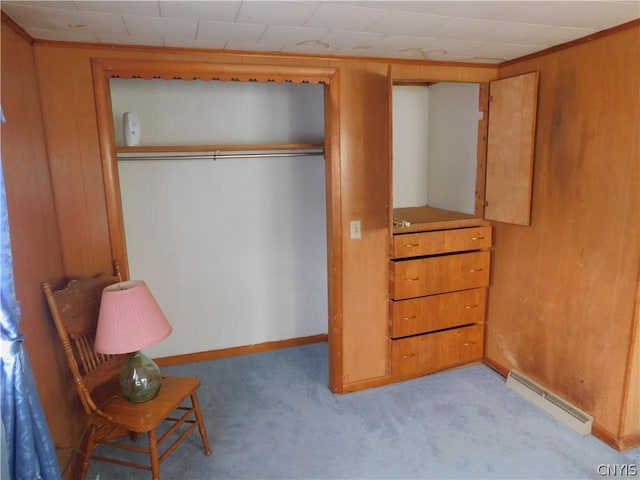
<point>259,46</point>
<point>229,32</point>
<point>136,7</point>
<point>290,13</point>
<point>540,34</point>
<point>187,43</point>
<point>26,17</point>
<point>151,41</point>
<point>350,40</point>
<point>47,4</point>
<point>466,29</point>
<point>310,48</point>
<point>91,21</point>
<point>335,16</point>
<point>63,36</point>
<point>456,48</point>
<point>396,43</point>
<point>400,5</point>
<point>407,23</point>
<point>292,35</point>
<point>505,51</point>
<point>160,27</point>
<point>485,10</point>
<point>395,28</point>
<point>220,11</point>
<point>585,14</point>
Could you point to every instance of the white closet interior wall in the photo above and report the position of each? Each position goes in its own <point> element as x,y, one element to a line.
<point>435,138</point>
<point>235,249</point>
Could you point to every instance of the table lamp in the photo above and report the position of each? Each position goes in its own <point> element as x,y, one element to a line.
<point>130,320</point>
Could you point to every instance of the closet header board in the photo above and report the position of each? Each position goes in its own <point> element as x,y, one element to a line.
<point>150,69</point>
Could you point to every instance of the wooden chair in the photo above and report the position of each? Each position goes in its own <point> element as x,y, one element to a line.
<point>109,415</point>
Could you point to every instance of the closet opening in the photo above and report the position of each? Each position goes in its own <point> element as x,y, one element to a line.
<point>226,204</point>
<point>463,151</point>
<point>439,148</point>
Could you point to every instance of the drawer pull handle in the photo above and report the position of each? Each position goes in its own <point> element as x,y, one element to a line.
<point>473,270</point>
<point>469,307</point>
<point>477,238</point>
<point>412,317</point>
<point>413,279</point>
<point>411,245</point>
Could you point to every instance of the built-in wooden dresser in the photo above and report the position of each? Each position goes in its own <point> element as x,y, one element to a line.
<point>439,274</point>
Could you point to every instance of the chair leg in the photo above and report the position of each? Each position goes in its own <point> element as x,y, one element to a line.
<point>89,445</point>
<point>201,425</point>
<point>153,453</point>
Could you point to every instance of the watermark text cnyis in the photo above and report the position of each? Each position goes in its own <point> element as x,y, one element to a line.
<point>618,470</point>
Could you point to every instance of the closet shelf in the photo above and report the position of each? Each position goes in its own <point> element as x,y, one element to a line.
<point>220,148</point>
<point>216,152</point>
<point>426,218</point>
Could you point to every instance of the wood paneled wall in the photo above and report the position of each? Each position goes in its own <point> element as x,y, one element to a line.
<point>34,235</point>
<point>70,118</point>
<point>563,291</point>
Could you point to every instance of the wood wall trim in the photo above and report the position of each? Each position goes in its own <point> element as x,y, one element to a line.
<point>619,443</point>
<point>10,22</point>
<point>243,350</point>
<point>629,381</point>
<point>497,367</point>
<point>333,195</point>
<point>629,441</point>
<point>181,70</point>
<point>481,168</point>
<point>572,43</point>
<point>115,219</point>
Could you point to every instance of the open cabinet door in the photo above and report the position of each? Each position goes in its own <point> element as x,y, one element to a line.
<point>510,148</point>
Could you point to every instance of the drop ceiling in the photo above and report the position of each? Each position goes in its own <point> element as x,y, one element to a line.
<point>471,31</point>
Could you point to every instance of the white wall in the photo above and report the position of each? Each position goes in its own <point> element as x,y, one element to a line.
<point>234,250</point>
<point>453,141</point>
<point>198,112</point>
<point>435,133</point>
<point>410,147</point>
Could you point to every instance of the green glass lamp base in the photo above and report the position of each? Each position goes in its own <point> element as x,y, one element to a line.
<point>140,379</point>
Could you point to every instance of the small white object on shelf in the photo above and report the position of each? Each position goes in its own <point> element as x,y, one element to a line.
<point>131,129</point>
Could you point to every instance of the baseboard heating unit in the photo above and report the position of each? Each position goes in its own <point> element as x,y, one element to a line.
<point>550,403</point>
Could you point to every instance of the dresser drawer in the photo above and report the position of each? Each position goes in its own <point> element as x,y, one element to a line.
<point>431,352</point>
<point>441,241</point>
<point>437,312</point>
<point>447,273</point>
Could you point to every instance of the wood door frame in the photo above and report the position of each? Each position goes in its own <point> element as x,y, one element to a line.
<point>105,68</point>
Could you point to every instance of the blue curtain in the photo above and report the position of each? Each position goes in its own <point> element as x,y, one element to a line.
<point>30,454</point>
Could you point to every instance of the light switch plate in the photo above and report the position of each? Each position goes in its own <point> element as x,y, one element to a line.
<point>356,230</point>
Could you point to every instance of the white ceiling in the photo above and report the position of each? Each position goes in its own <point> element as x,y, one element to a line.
<point>475,31</point>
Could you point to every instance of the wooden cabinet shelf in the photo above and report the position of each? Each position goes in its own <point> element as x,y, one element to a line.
<point>426,218</point>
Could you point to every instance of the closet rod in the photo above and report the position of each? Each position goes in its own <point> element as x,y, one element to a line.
<point>218,155</point>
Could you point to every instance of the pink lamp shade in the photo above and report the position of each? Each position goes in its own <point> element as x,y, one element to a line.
<point>130,319</point>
